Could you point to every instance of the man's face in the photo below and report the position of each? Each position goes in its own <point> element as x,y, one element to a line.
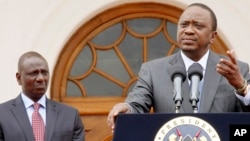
<point>194,33</point>
<point>33,76</point>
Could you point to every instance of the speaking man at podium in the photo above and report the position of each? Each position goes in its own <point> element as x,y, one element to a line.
<point>216,83</point>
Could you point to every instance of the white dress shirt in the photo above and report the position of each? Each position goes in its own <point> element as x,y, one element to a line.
<point>28,103</point>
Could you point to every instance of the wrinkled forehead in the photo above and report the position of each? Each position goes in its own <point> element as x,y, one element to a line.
<point>33,62</point>
<point>196,13</point>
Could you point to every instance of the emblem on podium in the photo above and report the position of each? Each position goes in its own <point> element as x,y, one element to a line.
<point>187,128</point>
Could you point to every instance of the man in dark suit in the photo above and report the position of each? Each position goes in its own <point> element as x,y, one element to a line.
<point>225,80</point>
<point>58,122</point>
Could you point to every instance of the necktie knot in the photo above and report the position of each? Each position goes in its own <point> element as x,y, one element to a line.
<point>36,106</point>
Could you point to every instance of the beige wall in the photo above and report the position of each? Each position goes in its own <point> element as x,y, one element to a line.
<point>45,26</point>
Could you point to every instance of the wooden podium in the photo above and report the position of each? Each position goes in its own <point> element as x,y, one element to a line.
<point>184,127</point>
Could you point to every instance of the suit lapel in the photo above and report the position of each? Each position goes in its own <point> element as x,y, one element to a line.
<point>51,117</point>
<point>211,83</point>
<point>20,114</point>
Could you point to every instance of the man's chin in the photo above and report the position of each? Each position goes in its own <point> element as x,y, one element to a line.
<point>188,48</point>
<point>41,92</point>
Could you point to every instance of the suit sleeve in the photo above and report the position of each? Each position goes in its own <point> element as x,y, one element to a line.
<point>1,133</point>
<point>79,132</point>
<point>141,97</point>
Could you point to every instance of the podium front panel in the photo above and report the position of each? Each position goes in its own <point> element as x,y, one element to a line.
<point>185,127</point>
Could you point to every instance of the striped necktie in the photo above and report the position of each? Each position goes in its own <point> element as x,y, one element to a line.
<point>37,124</point>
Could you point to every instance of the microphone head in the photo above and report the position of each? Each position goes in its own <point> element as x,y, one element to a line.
<point>195,69</point>
<point>177,71</point>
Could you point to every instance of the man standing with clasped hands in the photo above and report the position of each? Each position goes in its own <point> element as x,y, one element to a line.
<point>32,116</point>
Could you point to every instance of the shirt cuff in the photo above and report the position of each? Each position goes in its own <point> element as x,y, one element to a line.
<point>244,99</point>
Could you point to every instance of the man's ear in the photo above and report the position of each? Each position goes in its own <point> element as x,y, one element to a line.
<point>18,78</point>
<point>214,34</point>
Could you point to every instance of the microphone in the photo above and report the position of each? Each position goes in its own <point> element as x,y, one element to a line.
<point>195,75</point>
<point>178,76</point>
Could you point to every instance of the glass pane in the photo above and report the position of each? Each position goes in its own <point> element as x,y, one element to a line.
<point>73,89</point>
<point>172,30</point>
<point>82,62</point>
<point>97,85</point>
<point>158,46</point>
<point>108,36</point>
<point>144,25</point>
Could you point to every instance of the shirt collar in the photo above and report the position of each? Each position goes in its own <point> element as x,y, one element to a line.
<point>188,62</point>
<point>28,102</point>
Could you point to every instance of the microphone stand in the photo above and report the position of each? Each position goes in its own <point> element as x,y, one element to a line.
<point>194,104</point>
<point>178,101</point>
<point>194,99</point>
<point>177,107</point>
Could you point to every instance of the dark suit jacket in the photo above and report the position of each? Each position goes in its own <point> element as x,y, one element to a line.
<point>63,123</point>
<point>155,88</point>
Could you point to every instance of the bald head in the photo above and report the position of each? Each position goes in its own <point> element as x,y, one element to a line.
<point>28,55</point>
